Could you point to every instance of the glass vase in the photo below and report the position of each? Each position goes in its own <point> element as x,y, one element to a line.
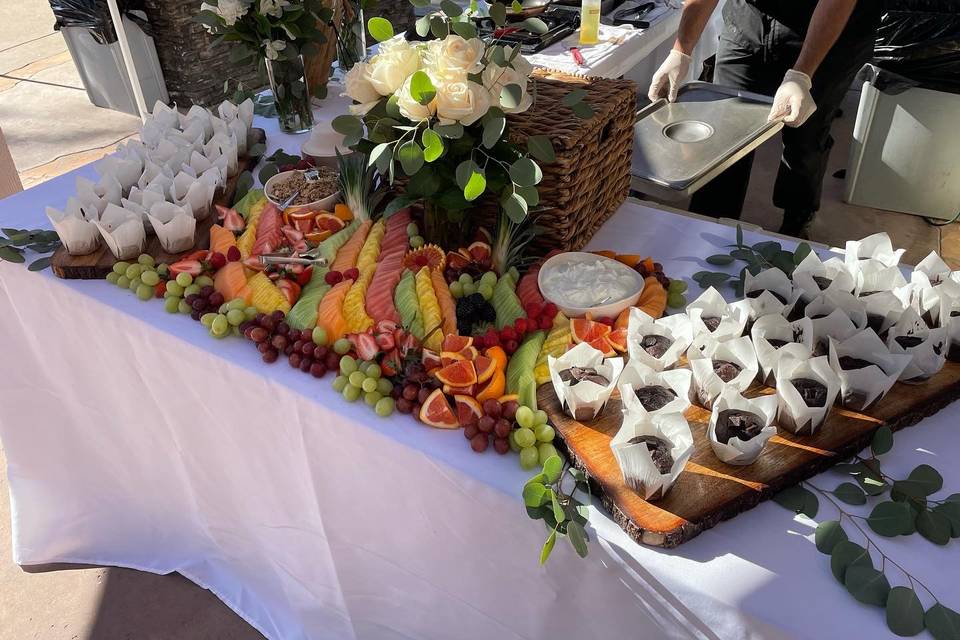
<point>443,227</point>
<point>351,38</point>
<point>291,94</point>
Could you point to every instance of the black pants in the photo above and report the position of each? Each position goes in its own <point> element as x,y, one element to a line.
<point>755,51</point>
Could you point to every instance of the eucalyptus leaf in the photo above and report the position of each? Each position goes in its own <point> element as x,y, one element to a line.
<point>421,88</point>
<point>381,155</point>
<point>574,96</point>
<point>746,255</point>
<point>516,7</point>
<point>739,236</point>
<point>578,538</point>
<point>933,526</point>
<point>510,96</point>
<point>348,125</point>
<point>848,554</point>
<point>432,145</point>
<point>515,207</point>
<point>42,263</point>
<point>802,251</point>
<point>582,110</point>
<point>541,148</point>
<point>867,585</point>
<point>398,203</point>
<point>533,493</point>
<point>476,185</point>
<point>558,513</point>
<point>942,622</point>
<point>720,259</point>
<point>904,612</point>
<point>463,172</point>
<point>548,546</point>
<point>439,27</point>
<point>577,474</point>
<point>422,25</point>
<point>525,172</point>
<point>450,131</point>
<point>530,194</point>
<point>799,500</point>
<point>410,156</point>
<point>498,12</point>
<point>882,441</point>
<point>465,30</point>
<point>11,255</point>
<point>552,468</point>
<point>828,535</point>
<point>713,279</point>
<point>950,511</point>
<point>923,481</point>
<point>450,8</point>
<point>392,107</point>
<point>535,25</point>
<point>850,493</point>
<point>493,130</point>
<point>871,484</point>
<point>891,519</point>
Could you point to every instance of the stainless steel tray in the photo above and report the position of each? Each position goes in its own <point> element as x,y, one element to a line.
<point>678,147</point>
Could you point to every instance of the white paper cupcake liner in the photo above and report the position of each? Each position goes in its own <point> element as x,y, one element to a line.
<point>635,461</point>
<point>585,400</point>
<point>793,414</point>
<point>736,451</point>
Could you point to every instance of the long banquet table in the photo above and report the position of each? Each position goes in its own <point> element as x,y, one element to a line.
<point>134,439</point>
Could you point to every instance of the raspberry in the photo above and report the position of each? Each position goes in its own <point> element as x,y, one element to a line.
<point>520,325</point>
<point>233,254</point>
<point>533,309</point>
<point>217,260</point>
<point>550,310</point>
<point>508,333</point>
<point>333,277</point>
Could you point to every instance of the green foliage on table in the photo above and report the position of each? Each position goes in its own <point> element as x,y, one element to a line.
<point>562,514</point>
<point>768,254</point>
<point>903,507</point>
<point>13,243</point>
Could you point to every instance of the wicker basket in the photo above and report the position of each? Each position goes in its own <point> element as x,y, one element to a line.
<point>591,177</point>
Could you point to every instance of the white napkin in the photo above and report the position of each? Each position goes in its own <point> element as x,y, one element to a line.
<point>637,375</point>
<point>677,328</point>
<point>860,388</point>
<point>78,233</point>
<point>793,414</point>
<point>929,356</point>
<point>99,194</point>
<point>123,232</point>
<point>736,451</point>
<point>799,337</point>
<point>586,399</point>
<point>707,385</point>
<point>635,461</point>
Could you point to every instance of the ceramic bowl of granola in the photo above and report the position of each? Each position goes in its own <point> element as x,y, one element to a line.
<point>318,195</point>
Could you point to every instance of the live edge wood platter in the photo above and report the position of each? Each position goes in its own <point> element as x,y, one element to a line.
<point>98,264</point>
<point>709,491</point>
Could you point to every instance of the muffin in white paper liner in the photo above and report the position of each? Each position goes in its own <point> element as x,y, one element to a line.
<point>125,168</point>
<point>797,334</point>
<point>191,190</point>
<point>239,132</point>
<point>122,231</point>
<point>834,315</point>
<point>152,172</point>
<point>676,328</point>
<point>164,152</point>
<point>225,147</point>
<point>949,320</point>
<point>762,290</point>
<point>736,451</point>
<point>876,247</point>
<point>164,115</point>
<point>153,132</point>
<point>99,194</point>
<point>78,234</point>
<point>710,304</point>
<point>931,271</point>
<point>707,385</point>
<point>243,111</point>
<point>929,355</point>
<point>637,375</point>
<point>884,308</point>
<point>860,388</point>
<point>793,414</point>
<point>175,226</point>
<point>79,209</point>
<point>876,278</point>
<point>584,400</point>
<point>197,114</point>
<point>636,462</point>
<point>815,276</point>
<point>195,132</point>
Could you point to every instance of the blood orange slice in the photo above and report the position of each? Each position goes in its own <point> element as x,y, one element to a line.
<point>494,388</point>
<point>454,342</point>
<point>459,374</point>
<point>468,410</point>
<point>328,222</point>
<point>449,357</point>
<point>618,339</point>
<point>485,367</point>
<point>469,390</point>
<point>436,412</point>
<point>584,330</point>
<point>603,345</point>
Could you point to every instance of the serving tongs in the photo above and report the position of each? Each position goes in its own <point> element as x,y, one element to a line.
<point>308,258</point>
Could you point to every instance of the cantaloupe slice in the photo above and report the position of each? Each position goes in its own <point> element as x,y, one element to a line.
<point>448,308</point>
<point>221,240</point>
<point>330,311</point>
<point>231,282</point>
<point>350,251</point>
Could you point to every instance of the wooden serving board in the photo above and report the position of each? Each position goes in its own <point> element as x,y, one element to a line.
<point>709,491</point>
<point>98,264</point>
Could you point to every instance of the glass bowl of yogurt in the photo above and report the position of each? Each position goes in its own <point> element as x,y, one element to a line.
<point>580,283</point>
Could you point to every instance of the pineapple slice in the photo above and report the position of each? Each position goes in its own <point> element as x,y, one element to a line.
<point>556,344</point>
<point>354,304</point>
<point>266,297</point>
<point>430,309</point>
<point>367,260</point>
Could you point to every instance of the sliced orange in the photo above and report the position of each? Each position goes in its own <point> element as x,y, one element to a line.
<point>498,355</point>
<point>603,345</point>
<point>453,342</point>
<point>629,259</point>
<point>436,412</point>
<point>458,374</point>
<point>605,253</point>
<point>469,410</point>
<point>485,367</point>
<point>586,330</point>
<point>618,339</point>
<point>343,212</point>
<point>494,388</point>
<point>622,320</point>
<point>449,357</point>
<point>469,390</point>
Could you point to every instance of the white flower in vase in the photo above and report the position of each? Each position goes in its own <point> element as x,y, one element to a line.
<point>274,8</point>
<point>357,87</point>
<point>463,102</point>
<point>395,62</point>
<point>229,10</point>
<point>451,59</point>
<point>272,48</point>
<point>410,108</point>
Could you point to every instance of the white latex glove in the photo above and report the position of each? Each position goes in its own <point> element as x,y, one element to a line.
<point>793,103</point>
<point>666,81</point>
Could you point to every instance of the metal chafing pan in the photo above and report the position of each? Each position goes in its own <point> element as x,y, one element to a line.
<point>678,147</point>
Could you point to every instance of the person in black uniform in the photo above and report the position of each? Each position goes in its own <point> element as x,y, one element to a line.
<point>803,52</point>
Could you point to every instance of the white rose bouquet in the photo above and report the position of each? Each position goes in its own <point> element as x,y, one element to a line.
<point>436,110</point>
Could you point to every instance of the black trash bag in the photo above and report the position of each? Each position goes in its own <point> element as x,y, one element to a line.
<point>95,16</point>
<point>920,41</point>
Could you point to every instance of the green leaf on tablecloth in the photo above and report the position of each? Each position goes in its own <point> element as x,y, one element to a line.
<point>476,185</point>
<point>872,484</point>
<point>739,236</point>
<point>578,538</point>
<point>11,255</point>
<point>922,481</point>
<point>465,30</point>
<point>493,129</point>
<point>867,585</point>
<point>421,88</point>
<point>891,519</point>
<point>533,493</point>
<point>933,526</point>
<point>828,535</point>
<point>951,511</point>
<point>711,278</point>
<point>525,172</point>
<point>848,554</point>
<point>9,231</point>
<point>535,25</point>
<point>904,612</point>
<point>802,251</point>
<point>548,546</point>
<point>745,255</point>
<point>850,493</point>
<point>40,264</point>
<point>799,500</point>
<point>541,148</point>
<point>767,248</point>
<point>381,29</point>
<point>558,513</point>
<point>942,622</point>
<point>720,259</point>
<point>552,468</point>
<point>882,441</point>
<point>783,260</point>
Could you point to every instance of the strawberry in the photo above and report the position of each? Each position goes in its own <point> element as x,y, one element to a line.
<point>546,322</point>
<point>233,254</point>
<point>293,236</point>
<point>521,325</point>
<point>408,343</point>
<point>217,260</point>
<point>304,277</point>
<point>386,326</point>
<point>290,290</point>
<point>480,342</point>
<point>351,274</point>
<point>199,255</point>
<point>333,277</point>
<point>231,220</point>
<point>365,345</point>
<point>491,338</point>
<point>533,309</point>
<point>193,267</point>
<point>253,262</point>
<point>390,364</point>
<point>385,341</point>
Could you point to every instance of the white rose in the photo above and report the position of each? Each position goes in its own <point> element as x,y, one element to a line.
<point>357,86</point>
<point>496,78</point>
<point>463,102</point>
<point>521,64</point>
<point>272,48</point>
<point>273,7</point>
<point>451,59</point>
<point>410,108</point>
<point>231,10</point>
<point>395,62</point>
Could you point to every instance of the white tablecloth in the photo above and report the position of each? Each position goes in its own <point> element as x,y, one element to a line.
<point>134,439</point>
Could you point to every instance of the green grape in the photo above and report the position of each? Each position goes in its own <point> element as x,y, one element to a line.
<point>319,336</point>
<point>524,418</point>
<point>456,289</point>
<point>514,274</point>
<point>351,393</point>
<point>150,278</point>
<point>539,417</point>
<point>133,271</point>
<point>120,268</point>
<point>235,317</point>
<point>369,385</point>
<point>220,326</point>
<point>372,397</point>
<point>469,289</point>
<point>123,282</point>
<point>207,319</point>
<point>191,290</point>
<point>416,242</point>
<point>250,313</point>
<point>525,437</point>
<point>465,278</point>
<point>544,433</point>
<point>235,330</point>
<point>513,442</point>
<point>545,450</point>
<point>163,270</point>
<point>204,281</point>
<point>412,230</point>
<point>528,458</point>
<point>134,284</point>
<point>146,260</point>
<point>339,383</point>
<point>489,278</point>
<point>373,370</point>
<point>347,365</point>
<point>184,279</point>
<point>677,286</point>
<point>171,304</point>
<point>144,292</point>
<point>676,300</point>
<point>174,288</point>
<point>384,386</point>
<point>342,346</point>
<point>237,303</point>
<point>112,277</point>
<point>223,308</point>
<point>486,291</point>
<point>356,379</point>
<point>184,308</point>
<point>384,407</point>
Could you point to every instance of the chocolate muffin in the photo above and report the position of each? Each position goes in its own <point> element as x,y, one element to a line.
<point>711,322</point>
<point>908,342</point>
<point>656,346</point>
<point>776,343</point>
<point>659,451</point>
<point>576,375</point>
<point>726,370</point>
<point>819,316</point>
<point>756,294</point>
<point>864,294</point>
<point>734,423</point>
<point>875,322</point>
<point>954,314</point>
<point>654,396</point>
<point>849,363</point>
<point>822,282</point>
<point>813,392</point>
